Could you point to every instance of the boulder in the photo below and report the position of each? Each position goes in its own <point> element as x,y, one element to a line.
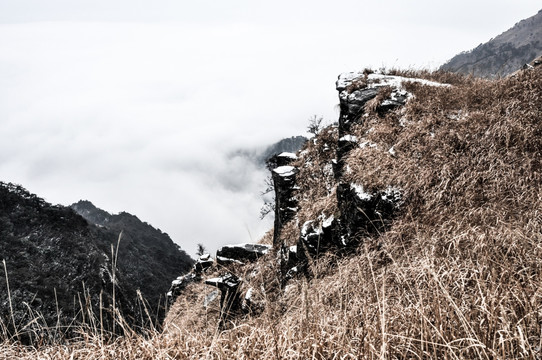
<point>363,212</point>
<point>203,263</point>
<point>179,284</point>
<point>316,237</point>
<point>220,260</point>
<point>230,299</point>
<point>242,252</point>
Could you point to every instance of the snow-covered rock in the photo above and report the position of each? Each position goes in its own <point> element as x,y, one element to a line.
<point>288,155</point>
<point>221,260</point>
<point>242,252</point>
<point>204,262</point>
<point>284,183</point>
<point>179,284</point>
<point>227,282</point>
<point>285,171</point>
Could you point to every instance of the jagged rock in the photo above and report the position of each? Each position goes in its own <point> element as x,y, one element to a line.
<point>242,252</point>
<point>284,183</point>
<point>315,239</point>
<point>535,63</point>
<point>364,213</point>
<point>230,299</point>
<point>227,282</point>
<point>227,261</point>
<point>345,144</point>
<point>292,258</point>
<point>357,88</point>
<point>179,284</point>
<point>285,158</point>
<point>354,93</point>
<point>282,159</point>
<point>398,97</point>
<point>352,107</point>
<point>291,273</point>
<point>204,262</point>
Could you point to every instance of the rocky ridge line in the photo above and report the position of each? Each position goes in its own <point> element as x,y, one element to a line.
<point>361,213</point>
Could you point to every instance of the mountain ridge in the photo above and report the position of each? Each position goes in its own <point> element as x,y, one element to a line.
<point>503,54</point>
<point>52,254</point>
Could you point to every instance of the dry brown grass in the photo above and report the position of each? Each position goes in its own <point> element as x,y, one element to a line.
<point>466,250</point>
<point>315,179</point>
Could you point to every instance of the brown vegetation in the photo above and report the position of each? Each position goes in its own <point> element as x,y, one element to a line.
<point>466,251</point>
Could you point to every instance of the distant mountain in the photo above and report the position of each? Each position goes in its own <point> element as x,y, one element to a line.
<point>61,269</point>
<point>148,258</point>
<point>504,54</point>
<point>260,156</point>
<point>292,144</point>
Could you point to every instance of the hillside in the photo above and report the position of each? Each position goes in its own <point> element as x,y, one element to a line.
<point>147,258</point>
<point>503,54</point>
<point>61,269</point>
<point>416,233</point>
<point>409,230</point>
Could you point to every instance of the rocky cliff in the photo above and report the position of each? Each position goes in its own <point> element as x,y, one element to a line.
<point>411,225</point>
<point>319,208</point>
<point>503,54</point>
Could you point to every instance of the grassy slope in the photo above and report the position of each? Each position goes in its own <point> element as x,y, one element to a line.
<point>466,251</point>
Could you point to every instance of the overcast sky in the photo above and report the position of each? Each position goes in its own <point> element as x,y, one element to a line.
<point>134,105</point>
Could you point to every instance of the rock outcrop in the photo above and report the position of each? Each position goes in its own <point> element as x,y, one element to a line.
<point>284,183</point>
<point>232,300</point>
<point>243,252</point>
<point>359,214</point>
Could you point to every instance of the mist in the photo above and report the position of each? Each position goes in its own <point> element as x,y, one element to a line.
<point>140,111</point>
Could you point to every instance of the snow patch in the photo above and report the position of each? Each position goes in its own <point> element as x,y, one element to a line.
<point>327,222</point>
<point>379,80</point>
<point>288,155</point>
<point>248,295</point>
<point>205,257</point>
<point>346,79</point>
<point>285,170</point>
<point>349,138</point>
<point>392,194</point>
<point>368,144</point>
<point>392,151</point>
<point>308,225</point>
<point>225,260</point>
<point>360,192</point>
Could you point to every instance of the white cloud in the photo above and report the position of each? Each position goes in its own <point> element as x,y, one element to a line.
<point>140,115</point>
